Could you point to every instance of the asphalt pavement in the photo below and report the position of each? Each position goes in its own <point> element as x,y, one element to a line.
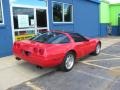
<point>100,72</point>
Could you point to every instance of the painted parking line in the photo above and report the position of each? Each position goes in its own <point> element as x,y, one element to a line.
<point>94,75</point>
<point>100,66</point>
<point>116,72</point>
<point>34,87</point>
<point>95,65</point>
<point>116,45</point>
<point>110,55</point>
<point>117,67</point>
<point>109,59</point>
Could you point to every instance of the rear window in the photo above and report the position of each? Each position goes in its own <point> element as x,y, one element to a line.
<point>77,37</point>
<point>52,38</point>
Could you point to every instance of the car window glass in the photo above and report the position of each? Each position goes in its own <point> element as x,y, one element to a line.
<point>52,38</point>
<point>77,37</point>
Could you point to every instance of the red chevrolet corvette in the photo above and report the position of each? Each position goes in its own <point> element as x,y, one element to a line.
<point>55,48</point>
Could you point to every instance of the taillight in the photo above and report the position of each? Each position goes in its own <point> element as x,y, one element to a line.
<point>41,51</point>
<point>35,50</point>
<point>17,45</point>
<point>14,44</point>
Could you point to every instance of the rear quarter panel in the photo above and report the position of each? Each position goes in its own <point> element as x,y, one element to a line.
<point>93,43</point>
<point>58,51</point>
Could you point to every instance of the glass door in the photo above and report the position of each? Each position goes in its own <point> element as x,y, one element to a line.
<point>41,20</point>
<point>24,23</point>
<point>28,21</point>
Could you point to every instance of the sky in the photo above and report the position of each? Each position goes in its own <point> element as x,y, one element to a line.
<point>12,0</point>
<point>114,1</point>
<point>30,2</point>
<point>111,1</point>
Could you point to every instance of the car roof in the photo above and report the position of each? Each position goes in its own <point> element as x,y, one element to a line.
<point>65,32</point>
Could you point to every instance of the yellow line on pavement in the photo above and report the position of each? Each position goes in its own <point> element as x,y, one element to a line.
<point>34,87</point>
<point>117,67</point>
<point>116,45</point>
<point>94,75</point>
<point>111,55</point>
<point>109,59</point>
<point>96,65</point>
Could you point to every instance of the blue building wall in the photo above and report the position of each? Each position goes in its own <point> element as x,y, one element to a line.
<point>98,1</point>
<point>115,30</point>
<point>59,26</point>
<point>103,29</point>
<point>6,31</point>
<point>85,17</point>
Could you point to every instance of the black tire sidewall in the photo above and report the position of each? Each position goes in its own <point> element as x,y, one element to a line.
<point>63,66</point>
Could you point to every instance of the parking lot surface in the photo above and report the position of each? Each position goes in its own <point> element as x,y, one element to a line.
<point>100,72</point>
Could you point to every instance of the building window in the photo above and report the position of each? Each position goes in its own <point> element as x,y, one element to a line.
<point>57,12</point>
<point>1,13</point>
<point>62,12</point>
<point>67,13</point>
<point>23,17</point>
<point>41,18</point>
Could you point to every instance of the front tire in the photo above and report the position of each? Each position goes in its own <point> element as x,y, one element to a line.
<point>68,62</point>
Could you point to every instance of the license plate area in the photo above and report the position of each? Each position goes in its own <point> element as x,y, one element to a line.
<point>27,53</point>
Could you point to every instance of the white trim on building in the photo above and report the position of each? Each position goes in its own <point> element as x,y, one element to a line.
<point>34,8</point>
<point>2,13</point>
<point>62,22</point>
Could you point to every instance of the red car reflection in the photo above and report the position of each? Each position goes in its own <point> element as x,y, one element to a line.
<point>55,48</point>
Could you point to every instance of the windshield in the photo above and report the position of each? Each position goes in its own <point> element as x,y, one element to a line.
<point>51,37</point>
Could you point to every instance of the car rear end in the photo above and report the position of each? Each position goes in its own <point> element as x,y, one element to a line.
<point>33,52</point>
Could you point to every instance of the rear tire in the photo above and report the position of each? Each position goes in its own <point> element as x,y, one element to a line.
<point>68,62</point>
<point>97,50</point>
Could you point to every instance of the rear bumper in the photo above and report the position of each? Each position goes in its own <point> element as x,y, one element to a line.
<point>39,60</point>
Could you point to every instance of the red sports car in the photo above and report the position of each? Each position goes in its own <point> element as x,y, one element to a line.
<point>56,48</point>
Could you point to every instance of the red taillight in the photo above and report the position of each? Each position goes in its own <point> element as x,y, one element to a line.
<point>16,45</point>
<point>35,50</point>
<point>41,51</point>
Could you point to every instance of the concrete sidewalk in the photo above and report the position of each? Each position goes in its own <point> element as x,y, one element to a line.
<point>14,72</point>
<point>108,41</point>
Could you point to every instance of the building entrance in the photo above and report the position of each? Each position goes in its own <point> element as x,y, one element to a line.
<point>28,20</point>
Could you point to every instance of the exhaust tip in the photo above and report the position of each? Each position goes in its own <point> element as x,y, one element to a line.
<point>39,67</point>
<point>17,58</point>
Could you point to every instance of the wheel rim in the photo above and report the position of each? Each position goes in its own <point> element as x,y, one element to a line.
<point>69,61</point>
<point>98,49</point>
